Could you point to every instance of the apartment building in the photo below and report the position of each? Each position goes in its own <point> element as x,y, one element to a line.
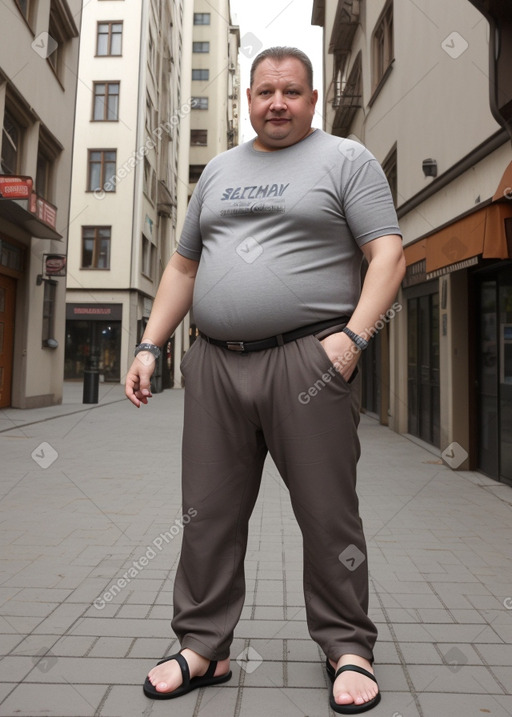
<point>214,123</point>
<point>38,79</point>
<point>215,116</point>
<point>132,113</point>
<point>412,83</point>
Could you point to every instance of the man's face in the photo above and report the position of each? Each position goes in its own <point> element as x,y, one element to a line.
<point>281,104</point>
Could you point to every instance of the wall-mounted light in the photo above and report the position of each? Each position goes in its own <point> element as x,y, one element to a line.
<point>429,167</point>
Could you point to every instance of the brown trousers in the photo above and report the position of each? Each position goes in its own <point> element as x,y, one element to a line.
<point>290,401</point>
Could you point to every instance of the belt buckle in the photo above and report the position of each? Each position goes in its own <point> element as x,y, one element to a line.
<point>235,345</point>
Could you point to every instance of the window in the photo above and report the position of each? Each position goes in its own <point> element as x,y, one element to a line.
<point>148,257</point>
<point>106,102</point>
<point>61,30</point>
<point>202,75</point>
<point>12,133</point>
<point>149,180</point>
<point>194,172</point>
<point>201,18</point>
<point>27,9</point>
<point>389,165</point>
<point>96,247</point>
<point>102,169</point>
<point>199,103</point>
<point>48,150</point>
<point>109,39</point>
<point>200,47</point>
<point>198,137</point>
<point>50,291</point>
<point>382,45</point>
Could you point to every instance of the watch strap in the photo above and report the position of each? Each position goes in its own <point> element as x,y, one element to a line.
<point>152,348</point>
<point>358,340</point>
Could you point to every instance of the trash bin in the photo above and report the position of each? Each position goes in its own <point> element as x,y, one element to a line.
<point>91,380</point>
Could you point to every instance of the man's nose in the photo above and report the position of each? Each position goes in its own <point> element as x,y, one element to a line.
<point>278,102</point>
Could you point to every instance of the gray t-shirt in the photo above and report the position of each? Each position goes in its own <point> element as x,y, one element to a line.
<point>277,235</point>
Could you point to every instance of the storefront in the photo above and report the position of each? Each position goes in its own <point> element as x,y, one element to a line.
<point>93,330</point>
<point>493,370</point>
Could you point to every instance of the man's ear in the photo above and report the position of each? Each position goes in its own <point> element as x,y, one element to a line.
<point>249,97</point>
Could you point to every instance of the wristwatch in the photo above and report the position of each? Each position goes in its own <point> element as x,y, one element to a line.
<point>148,347</point>
<point>358,340</point>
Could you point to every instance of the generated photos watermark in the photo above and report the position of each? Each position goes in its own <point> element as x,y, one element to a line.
<point>143,561</point>
<point>305,396</point>
<point>135,158</point>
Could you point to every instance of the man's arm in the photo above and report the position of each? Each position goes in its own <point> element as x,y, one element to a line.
<point>172,302</point>
<point>386,269</point>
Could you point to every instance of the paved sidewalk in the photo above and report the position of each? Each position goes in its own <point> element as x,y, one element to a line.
<point>91,527</point>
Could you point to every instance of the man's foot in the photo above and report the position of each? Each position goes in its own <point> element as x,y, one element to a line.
<point>167,677</point>
<point>352,688</point>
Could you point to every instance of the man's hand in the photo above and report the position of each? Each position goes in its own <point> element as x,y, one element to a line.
<point>138,378</point>
<point>342,352</point>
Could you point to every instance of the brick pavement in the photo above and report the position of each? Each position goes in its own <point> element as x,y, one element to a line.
<point>90,533</point>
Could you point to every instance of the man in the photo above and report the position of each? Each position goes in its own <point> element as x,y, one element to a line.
<point>270,255</point>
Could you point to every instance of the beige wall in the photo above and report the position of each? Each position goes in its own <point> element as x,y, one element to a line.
<point>50,102</point>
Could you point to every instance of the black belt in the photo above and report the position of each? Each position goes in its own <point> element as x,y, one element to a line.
<point>280,340</point>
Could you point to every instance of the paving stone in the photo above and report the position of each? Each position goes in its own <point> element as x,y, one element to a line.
<point>439,567</point>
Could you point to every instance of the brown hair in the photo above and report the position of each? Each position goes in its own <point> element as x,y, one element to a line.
<point>283,53</point>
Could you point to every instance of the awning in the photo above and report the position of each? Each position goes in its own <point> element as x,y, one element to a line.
<point>17,212</point>
<point>479,234</point>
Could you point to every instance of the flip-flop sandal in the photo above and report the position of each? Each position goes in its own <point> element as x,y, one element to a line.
<point>188,683</point>
<point>350,709</point>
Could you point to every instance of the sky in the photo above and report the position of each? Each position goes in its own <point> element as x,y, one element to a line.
<point>265,23</point>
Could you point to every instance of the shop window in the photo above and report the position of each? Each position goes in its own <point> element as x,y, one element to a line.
<point>105,102</point>
<point>198,137</point>
<point>101,170</point>
<point>201,75</point>
<point>96,247</point>
<point>109,39</point>
<point>200,47</point>
<point>50,291</point>
<point>382,45</point>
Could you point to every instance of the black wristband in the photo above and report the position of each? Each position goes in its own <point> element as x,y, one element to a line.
<point>148,347</point>
<point>358,340</point>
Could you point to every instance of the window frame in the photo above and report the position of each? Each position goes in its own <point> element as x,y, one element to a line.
<point>110,24</point>
<point>199,103</point>
<point>201,79</point>
<point>202,16</point>
<point>103,180</point>
<point>202,51</point>
<point>382,45</point>
<point>106,96</point>
<point>17,143</point>
<point>199,134</point>
<point>96,250</point>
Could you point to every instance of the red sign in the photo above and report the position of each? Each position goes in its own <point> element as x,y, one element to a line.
<point>43,210</point>
<point>15,187</point>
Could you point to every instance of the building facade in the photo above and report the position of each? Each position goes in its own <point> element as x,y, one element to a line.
<point>132,104</point>
<point>214,120</point>
<point>38,80</point>
<point>412,84</point>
